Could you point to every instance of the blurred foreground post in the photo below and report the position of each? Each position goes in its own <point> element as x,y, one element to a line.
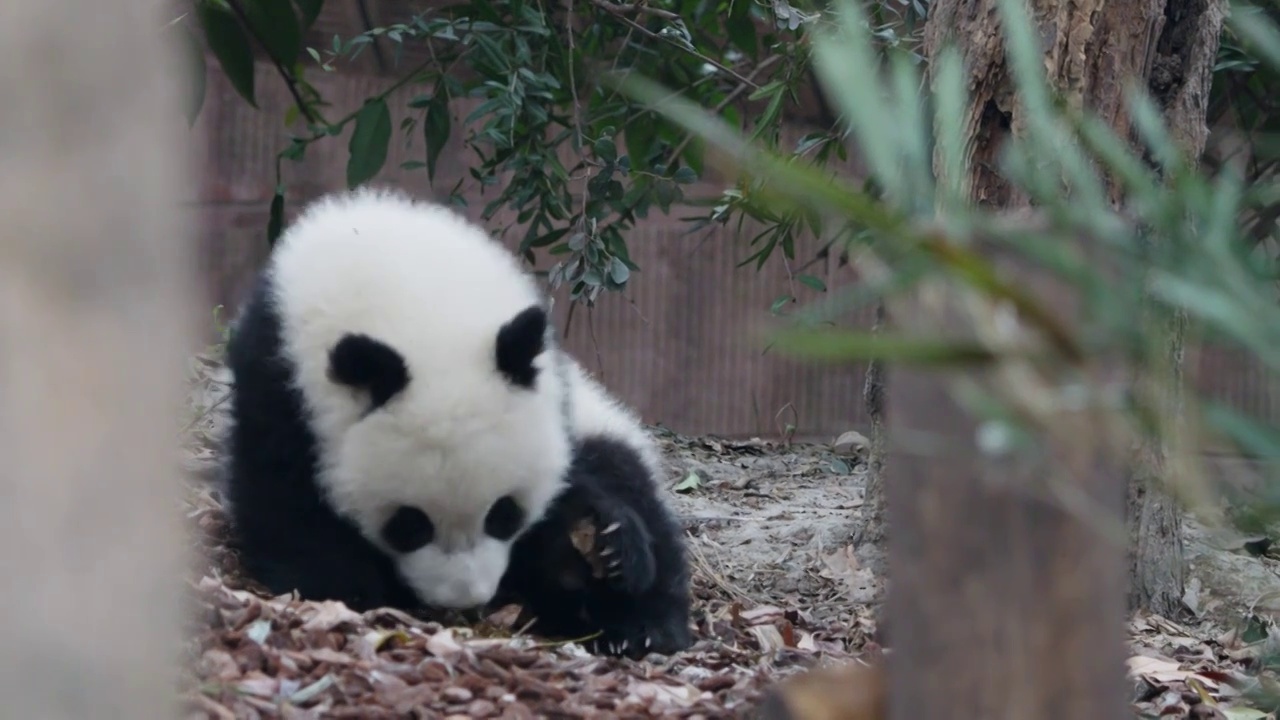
<point>1006,599</point>
<point>95,320</point>
<point>1008,571</point>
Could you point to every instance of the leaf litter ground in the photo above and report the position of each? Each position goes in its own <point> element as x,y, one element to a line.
<point>782,582</point>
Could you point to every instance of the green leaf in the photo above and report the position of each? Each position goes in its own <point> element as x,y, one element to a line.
<point>685,176</point>
<point>848,345</point>
<point>196,90</point>
<point>861,98</point>
<point>813,282</point>
<point>639,138</point>
<point>1259,34</point>
<point>369,140</point>
<point>310,10</point>
<point>230,46</point>
<point>619,271</point>
<point>1256,439</point>
<point>741,29</point>
<point>779,304</point>
<point>435,129</point>
<point>803,185</point>
<point>277,27</point>
<point>606,150</point>
<point>691,482</point>
<point>275,223</point>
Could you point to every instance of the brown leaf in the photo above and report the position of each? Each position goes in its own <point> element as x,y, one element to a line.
<point>328,614</point>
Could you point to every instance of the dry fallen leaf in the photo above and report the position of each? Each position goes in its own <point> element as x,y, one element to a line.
<point>762,614</point>
<point>769,638</point>
<point>644,692</point>
<point>444,645</point>
<point>330,614</point>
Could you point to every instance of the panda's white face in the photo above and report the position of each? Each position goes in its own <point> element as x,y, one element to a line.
<point>423,353</point>
<point>446,494</point>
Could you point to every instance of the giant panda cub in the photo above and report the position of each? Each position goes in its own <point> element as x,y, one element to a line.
<point>623,572</point>
<point>400,418</point>
<point>397,416</point>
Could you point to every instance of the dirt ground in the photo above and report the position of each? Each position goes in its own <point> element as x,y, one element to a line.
<point>781,580</point>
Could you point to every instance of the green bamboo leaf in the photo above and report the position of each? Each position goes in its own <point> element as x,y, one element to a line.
<point>813,282</point>
<point>1150,126</point>
<point>368,146</point>
<point>914,134</point>
<point>1254,438</point>
<point>277,27</point>
<point>863,102</point>
<point>435,128</point>
<point>1139,183</point>
<point>741,29</point>
<point>951,102</point>
<point>833,345</point>
<point>810,188</point>
<point>310,10</point>
<point>275,221</point>
<point>1220,310</point>
<point>800,184</point>
<point>1260,35</point>
<point>618,271</point>
<point>230,46</point>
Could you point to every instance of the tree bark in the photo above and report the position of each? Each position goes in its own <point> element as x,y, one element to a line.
<point>94,329</point>
<point>873,397</point>
<point>1179,78</point>
<point>1011,604</point>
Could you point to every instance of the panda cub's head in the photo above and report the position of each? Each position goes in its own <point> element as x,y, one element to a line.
<point>423,355</point>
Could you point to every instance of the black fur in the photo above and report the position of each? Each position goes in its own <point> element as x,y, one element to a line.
<point>287,536</point>
<point>408,529</point>
<point>644,596</point>
<point>370,365</point>
<point>520,341</point>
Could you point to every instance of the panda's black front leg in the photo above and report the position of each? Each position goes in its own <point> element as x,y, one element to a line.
<point>624,547</point>
<point>642,604</point>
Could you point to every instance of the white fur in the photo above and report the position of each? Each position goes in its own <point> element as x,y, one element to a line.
<point>436,288</point>
<point>595,411</point>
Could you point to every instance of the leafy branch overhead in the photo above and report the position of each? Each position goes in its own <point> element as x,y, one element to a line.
<point>584,162</point>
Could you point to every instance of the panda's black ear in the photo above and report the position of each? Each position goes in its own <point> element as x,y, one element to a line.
<point>521,340</point>
<point>361,362</point>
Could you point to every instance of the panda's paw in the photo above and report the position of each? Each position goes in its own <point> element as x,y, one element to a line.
<point>626,552</point>
<point>638,639</point>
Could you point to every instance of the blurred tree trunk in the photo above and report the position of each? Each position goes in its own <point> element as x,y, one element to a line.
<point>1009,605</point>
<point>873,393</point>
<point>1179,78</point>
<point>93,332</point>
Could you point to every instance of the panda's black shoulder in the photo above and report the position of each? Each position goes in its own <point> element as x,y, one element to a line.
<point>257,334</point>
<point>608,462</point>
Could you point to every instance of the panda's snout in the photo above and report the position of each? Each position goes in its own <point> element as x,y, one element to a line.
<point>455,581</point>
<point>469,593</point>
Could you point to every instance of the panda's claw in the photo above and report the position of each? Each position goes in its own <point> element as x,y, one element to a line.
<point>613,526</point>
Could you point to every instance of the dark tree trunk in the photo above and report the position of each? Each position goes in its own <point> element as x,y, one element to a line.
<point>1010,604</point>
<point>873,396</point>
<point>1179,78</point>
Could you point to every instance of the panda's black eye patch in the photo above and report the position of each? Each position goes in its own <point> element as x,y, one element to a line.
<point>504,519</point>
<point>408,529</point>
